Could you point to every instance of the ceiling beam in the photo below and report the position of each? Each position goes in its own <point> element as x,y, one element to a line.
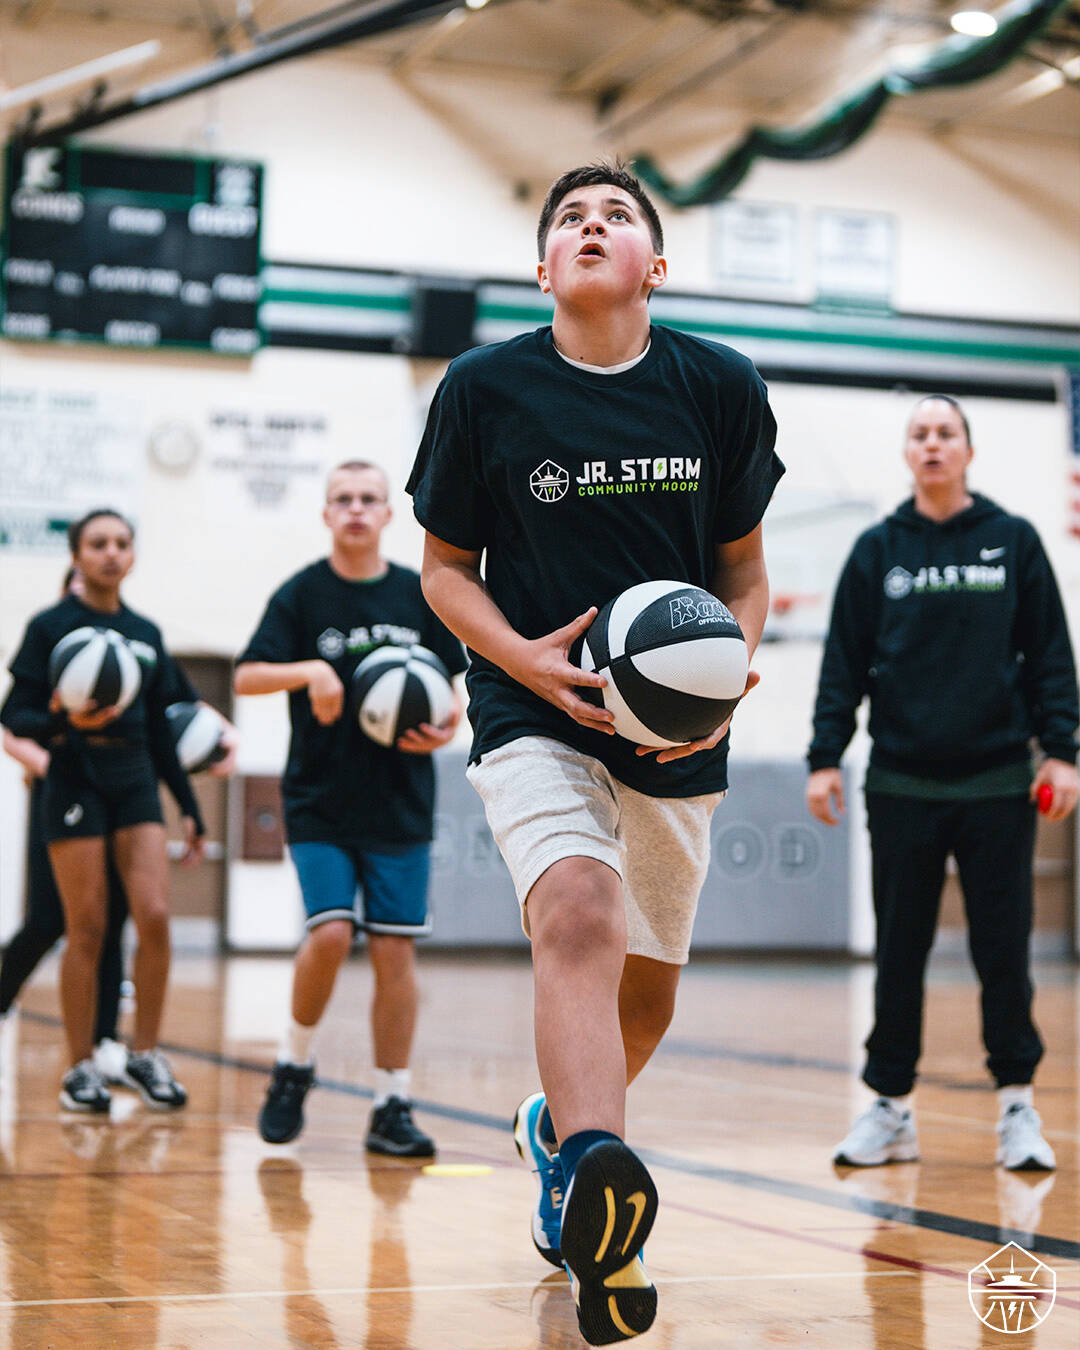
<point>30,12</point>
<point>217,30</point>
<point>382,17</point>
<point>599,74</point>
<point>747,43</point>
<point>1054,76</point>
<point>430,42</point>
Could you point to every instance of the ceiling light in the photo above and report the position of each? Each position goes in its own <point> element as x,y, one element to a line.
<point>76,75</point>
<point>476,4</point>
<point>974,23</point>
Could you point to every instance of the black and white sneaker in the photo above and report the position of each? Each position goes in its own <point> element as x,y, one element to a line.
<point>83,1089</point>
<point>392,1130</point>
<point>148,1072</point>
<point>282,1116</point>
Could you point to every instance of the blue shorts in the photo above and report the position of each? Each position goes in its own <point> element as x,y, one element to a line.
<point>394,887</point>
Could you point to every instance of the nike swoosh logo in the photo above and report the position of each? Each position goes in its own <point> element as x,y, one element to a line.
<point>989,554</point>
<point>638,1202</point>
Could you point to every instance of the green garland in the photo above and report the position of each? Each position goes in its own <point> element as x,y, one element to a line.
<point>957,60</point>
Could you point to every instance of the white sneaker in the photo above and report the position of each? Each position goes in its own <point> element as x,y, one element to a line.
<point>110,1057</point>
<point>1021,1147</point>
<point>880,1135</point>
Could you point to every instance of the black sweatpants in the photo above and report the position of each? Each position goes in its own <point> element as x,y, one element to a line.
<point>43,927</point>
<point>993,841</point>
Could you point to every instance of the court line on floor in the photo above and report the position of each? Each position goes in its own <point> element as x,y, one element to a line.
<point>226,1297</point>
<point>954,1225</point>
<point>793,1234</point>
<point>693,1049</point>
<point>982,1126</point>
<point>1039,1243</point>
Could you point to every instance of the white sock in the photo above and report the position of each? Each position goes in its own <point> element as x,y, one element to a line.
<point>296,1044</point>
<point>391,1083</point>
<point>899,1104</point>
<point>1017,1095</point>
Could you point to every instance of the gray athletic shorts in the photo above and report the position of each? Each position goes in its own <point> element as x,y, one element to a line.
<point>546,801</point>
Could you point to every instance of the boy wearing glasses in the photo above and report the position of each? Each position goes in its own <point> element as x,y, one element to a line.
<point>358,816</point>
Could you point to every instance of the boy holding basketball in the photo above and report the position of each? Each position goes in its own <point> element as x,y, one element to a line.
<point>358,815</point>
<point>553,453</point>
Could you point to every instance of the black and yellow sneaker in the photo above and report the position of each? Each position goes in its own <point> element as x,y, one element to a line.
<point>282,1116</point>
<point>608,1212</point>
<point>392,1130</point>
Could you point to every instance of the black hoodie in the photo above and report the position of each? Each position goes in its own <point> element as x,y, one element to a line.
<point>956,632</point>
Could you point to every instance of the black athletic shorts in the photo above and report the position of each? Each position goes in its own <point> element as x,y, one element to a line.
<point>105,788</point>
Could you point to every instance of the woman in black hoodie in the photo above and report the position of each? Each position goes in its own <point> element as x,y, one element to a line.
<point>948,618</point>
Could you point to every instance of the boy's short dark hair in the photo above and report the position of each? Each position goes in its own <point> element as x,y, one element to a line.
<point>356,465</point>
<point>614,172</point>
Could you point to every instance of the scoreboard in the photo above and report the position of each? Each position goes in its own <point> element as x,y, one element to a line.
<point>130,249</point>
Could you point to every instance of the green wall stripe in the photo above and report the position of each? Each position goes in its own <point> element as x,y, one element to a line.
<point>938,346</point>
<point>339,300</point>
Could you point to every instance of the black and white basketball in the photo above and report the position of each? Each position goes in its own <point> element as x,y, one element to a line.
<point>397,688</point>
<point>94,666</point>
<point>675,662</point>
<point>197,733</point>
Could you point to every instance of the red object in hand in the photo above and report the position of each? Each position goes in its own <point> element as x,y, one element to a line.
<point>1045,798</point>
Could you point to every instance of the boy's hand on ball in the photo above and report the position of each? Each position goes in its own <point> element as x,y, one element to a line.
<point>708,743</point>
<point>93,718</point>
<point>194,843</point>
<point>425,738</point>
<point>545,669</point>
<point>230,743</point>
<point>326,692</point>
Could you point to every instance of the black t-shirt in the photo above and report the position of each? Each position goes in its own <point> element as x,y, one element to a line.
<point>142,724</point>
<point>580,484</point>
<point>339,786</point>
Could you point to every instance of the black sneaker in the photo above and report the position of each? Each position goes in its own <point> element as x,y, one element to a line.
<point>608,1211</point>
<point>393,1130</point>
<point>148,1072</point>
<point>83,1089</point>
<point>282,1114</point>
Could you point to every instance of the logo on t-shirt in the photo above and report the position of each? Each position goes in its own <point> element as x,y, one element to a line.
<point>331,644</point>
<point>549,482</point>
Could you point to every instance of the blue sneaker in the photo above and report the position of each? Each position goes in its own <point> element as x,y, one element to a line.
<point>534,1150</point>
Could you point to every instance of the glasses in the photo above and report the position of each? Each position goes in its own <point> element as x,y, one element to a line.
<point>345,499</point>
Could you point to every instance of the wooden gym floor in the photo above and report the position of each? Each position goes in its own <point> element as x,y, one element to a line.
<point>177,1231</point>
